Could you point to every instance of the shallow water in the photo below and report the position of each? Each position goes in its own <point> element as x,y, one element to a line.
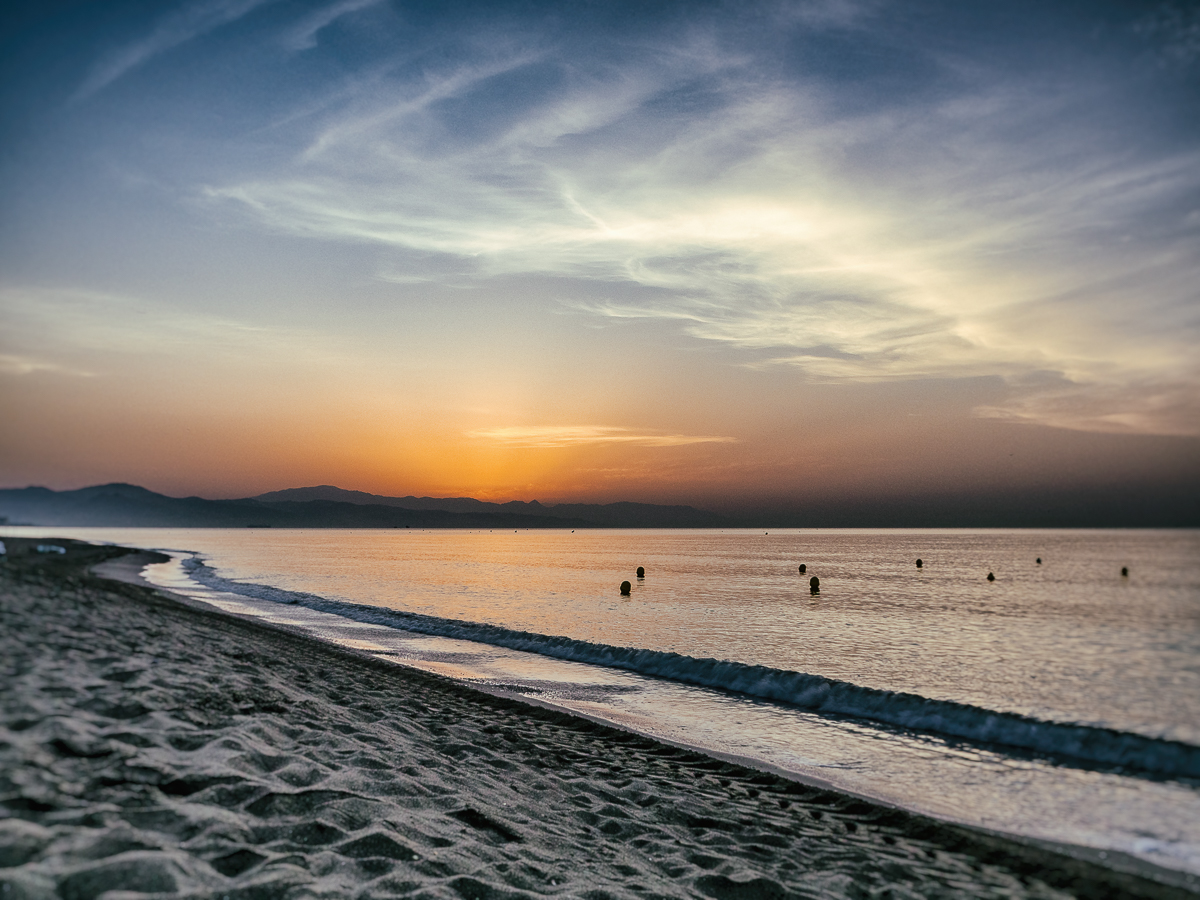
<point>1068,641</point>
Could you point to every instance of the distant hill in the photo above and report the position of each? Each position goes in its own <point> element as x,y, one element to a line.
<point>608,515</point>
<point>361,498</point>
<point>323,507</point>
<point>123,504</point>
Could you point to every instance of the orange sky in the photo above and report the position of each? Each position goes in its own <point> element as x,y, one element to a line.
<point>827,253</point>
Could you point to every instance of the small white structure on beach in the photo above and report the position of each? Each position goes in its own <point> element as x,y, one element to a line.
<point>50,548</point>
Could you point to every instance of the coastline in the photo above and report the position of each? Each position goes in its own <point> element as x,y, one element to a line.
<point>152,743</point>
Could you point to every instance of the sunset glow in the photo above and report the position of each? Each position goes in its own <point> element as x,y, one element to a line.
<point>732,256</point>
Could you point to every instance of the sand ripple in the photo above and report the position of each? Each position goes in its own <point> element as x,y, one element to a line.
<point>147,748</point>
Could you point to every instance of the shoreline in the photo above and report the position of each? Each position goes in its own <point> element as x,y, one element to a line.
<point>1072,741</point>
<point>314,785</point>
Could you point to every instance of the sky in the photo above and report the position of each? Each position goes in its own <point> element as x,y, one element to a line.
<point>745,256</point>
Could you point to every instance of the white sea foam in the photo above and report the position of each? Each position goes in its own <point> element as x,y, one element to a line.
<point>1063,741</point>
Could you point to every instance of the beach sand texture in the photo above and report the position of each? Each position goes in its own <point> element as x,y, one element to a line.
<point>152,748</point>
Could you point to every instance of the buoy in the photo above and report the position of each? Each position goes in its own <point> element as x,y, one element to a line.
<point>814,584</point>
<point>919,564</point>
<point>803,568</point>
<point>991,577</point>
<point>1125,571</point>
<point>626,587</point>
<point>1039,560</point>
<point>641,573</point>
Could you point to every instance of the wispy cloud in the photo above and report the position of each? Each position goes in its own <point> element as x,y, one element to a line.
<point>1154,407</point>
<point>76,331</point>
<point>544,436</point>
<point>173,29</point>
<point>303,35</point>
<point>1173,30</point>
<point>14,364</point>
<point>992,230</point>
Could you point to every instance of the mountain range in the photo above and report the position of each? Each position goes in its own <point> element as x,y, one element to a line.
<point>326,506</point>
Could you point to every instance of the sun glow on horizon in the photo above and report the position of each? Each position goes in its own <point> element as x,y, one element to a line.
<point>592,254</point>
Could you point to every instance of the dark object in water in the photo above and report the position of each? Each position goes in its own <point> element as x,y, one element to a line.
<point>626,587</point>
<point>1125,571</point>
<point>803,568</point>
<point>814,584</point>
<point>641,572</point>
<point>991,577</point>
<point>919,564</point>
<point>1039,560</point>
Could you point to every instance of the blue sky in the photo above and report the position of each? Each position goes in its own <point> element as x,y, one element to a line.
<point>599,249</point>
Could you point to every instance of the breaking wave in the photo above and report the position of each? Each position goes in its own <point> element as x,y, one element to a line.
<point>1104,746</point>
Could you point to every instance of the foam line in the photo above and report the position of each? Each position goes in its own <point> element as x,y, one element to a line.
<point>810,692</point>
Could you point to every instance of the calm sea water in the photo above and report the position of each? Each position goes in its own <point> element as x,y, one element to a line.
<point>1061,700</point>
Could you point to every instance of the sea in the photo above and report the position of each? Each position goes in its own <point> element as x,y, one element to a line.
<point>1057,699</point>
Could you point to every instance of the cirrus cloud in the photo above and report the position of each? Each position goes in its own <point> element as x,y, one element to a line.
<point>546,436</point>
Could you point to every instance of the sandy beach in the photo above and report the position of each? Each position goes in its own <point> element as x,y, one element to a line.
<point>153,747</point>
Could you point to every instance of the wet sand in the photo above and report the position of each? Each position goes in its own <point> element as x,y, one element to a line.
<point>154,746</point>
